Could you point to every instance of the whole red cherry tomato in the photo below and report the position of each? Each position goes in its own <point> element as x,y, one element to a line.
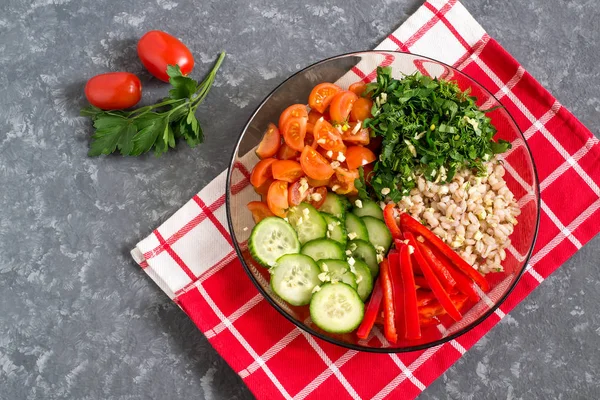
<point>114,90</point>
<point>158,49</point>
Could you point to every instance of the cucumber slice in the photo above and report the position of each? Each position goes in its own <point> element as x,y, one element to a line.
<point>379,234</point>
<point>356,228</point>
<point>272,238</point>
<point>338,271</point>
<point>335,205</point>
<point>307,222</point>
<point>319,249</point>
<point>336,308</point>
<point>369,209</point>
<point>364,251</point>
<point>346,202</point>
<point>335,229</point>
<point>294,277</point>
<point>364,279</point>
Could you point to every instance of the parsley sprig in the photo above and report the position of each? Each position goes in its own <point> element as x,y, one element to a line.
<point>157,126</point>
<point>429,127</point>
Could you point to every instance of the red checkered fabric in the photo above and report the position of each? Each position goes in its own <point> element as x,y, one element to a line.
<point>191,256</point>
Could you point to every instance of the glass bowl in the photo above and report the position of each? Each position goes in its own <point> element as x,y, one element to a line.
<point>521,178</point>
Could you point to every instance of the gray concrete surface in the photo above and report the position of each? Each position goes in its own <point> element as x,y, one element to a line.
<point>79,320</point>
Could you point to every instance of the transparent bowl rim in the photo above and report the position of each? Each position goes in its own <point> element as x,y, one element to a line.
<point>325,337</point>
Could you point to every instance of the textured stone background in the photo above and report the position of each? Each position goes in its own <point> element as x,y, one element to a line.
<point>78,319</point>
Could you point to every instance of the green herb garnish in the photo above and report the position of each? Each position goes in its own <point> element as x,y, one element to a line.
<point>155,126</point>
<point>429,127</point>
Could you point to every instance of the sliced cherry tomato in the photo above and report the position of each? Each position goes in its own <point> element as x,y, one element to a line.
<point>270,143</point>
<point>341,105</point>
<point>322,95</point>
<point>287,170</point>
<point>293,111</point>
<point>287,153</point>
<point>263,189</point>
<point>317,196</point>
<point>297,193</point>
<point>354,135</point>
<point>343,181</point>
<point>357,156</point>
<point>158,49</point>
<point>358,88</point>
<point>361,109</point>
<point>259,211</point>
<point>114,90</point>
<point>315,165</point>
<point>310,128</point>
<point>277,198</point>
<point>316,183</point>
<point>262,172</point>
<point>294,132</point>
<point>313,116</point>
<point>328,137</point>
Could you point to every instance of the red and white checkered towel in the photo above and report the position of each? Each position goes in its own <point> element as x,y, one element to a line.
<point>191,256</point>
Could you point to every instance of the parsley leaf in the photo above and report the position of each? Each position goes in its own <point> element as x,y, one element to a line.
<point>156,126</point>
<point>429,127</point>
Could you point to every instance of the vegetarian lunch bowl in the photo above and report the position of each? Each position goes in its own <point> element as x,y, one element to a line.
<point>383,201</point>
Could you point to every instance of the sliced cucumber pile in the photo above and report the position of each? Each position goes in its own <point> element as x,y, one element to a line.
<point>337,308</point>
<point>356,228</point>
<point>308,222</point>
<point>336,230</point>
<point>294,278</point>
<point>319,249</point>
<point>338,271</point>
<point>368,209</point>
<point>272,238</point>
<point>364,251</point>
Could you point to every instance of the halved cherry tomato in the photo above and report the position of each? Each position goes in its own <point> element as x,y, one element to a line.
<point>287,170</point>
<point>322,95</point>
<point>259,211</point>
<point>357,156</point>
<point>114,90</point>
<point>262,172</point>
<point>277,198</point>
<point>158,49</point>
<point>361,109</point>
<point>310,128</point>
<point>317,196</point>
<point>328,137</point>
<point>341,105</point>
<point>294,132</point>
<point>297,194</point>
<point>331,155</point>
<point>287,153</point>
<point>315,165</point>
<point>270,143</point>
<point>313,116</point>
<point>316,182</point>
<point>354,135</point>
<point>293,111</point>
<point>263,189</point>
<point>358,88</point>
<point>343,181</point>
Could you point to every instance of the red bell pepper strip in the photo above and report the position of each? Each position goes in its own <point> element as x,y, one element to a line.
<point>389,327</point>
<point>399,243</point>
<point>424,297</point>
<point>397,289</point>
<point>435,309</point>
<point>411,312</point>
<point>409,223</point>
<point>428,321</point>
<point>440,270</point>
<point>434,283</point>
<point>463,283</point>
<point>390,221</point>
<point>421,282</point>
<point>372,312</point>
